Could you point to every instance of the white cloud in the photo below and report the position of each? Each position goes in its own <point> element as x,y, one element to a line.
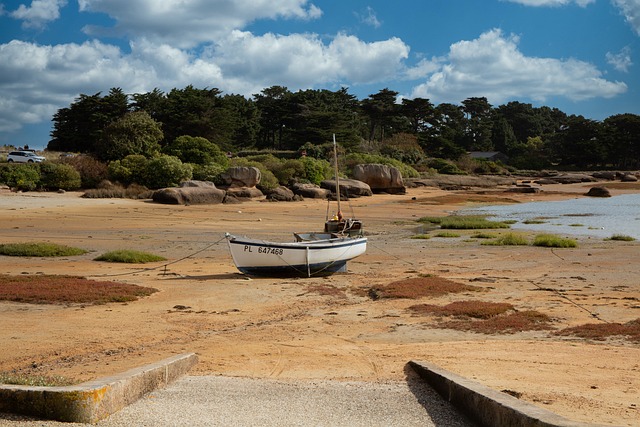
<point>39,13</point>
<point>631,11</point>
<point>187,23</point>
<point>370,17</point>
<point>37,80</point>
<point>492,66</point>
<point>552,3</point>
<point>620,61</point>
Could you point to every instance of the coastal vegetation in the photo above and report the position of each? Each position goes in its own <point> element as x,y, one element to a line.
<point>39,249</point>
<point>462,222</point>
<point>51,289</point>
<point>158,139</point>
<point>129,256</point>
<point>552,241</point>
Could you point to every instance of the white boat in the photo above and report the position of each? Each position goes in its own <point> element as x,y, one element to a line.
<point>310,254</point>
<point>326,255</point>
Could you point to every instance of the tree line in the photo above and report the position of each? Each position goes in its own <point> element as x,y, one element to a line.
<point>115,125</point>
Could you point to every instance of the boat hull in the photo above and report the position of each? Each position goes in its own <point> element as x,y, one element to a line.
<point>300,259</point>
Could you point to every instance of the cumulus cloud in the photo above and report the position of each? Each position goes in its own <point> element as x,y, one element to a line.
<point>188,23</point>
<point>39,13</point>
<point>552,3</point>
<point>631,11</point>
<point>492,66</point>
<point>621,61</point>
<point>38,80</point>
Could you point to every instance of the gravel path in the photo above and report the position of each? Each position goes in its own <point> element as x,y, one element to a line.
<point>223,401</point>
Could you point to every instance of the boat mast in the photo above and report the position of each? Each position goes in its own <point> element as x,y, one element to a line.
<point>335,161</point>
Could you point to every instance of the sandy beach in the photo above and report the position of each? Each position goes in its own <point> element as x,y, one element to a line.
<point>325,328</point>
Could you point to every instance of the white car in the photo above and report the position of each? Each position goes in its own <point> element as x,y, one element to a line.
<point>24,157</point>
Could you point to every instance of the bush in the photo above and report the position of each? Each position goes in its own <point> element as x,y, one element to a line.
<point>166,171</point>
<point>445,167</point>
<point>91,171</point>
<point>131,169</point>
<point>316,170</point>
<point>403,147</point>
<point>209,172</point>
<point>58,176</point>
<point>22,177</point>
<point>196,150</point>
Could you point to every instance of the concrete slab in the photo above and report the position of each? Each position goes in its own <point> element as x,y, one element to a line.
<point>92,401</point>
<point>486,406</point>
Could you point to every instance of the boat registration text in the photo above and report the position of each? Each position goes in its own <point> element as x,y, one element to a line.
<point>264,250</point>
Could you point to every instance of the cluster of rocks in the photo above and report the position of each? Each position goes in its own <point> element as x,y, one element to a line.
<point>240,183</point>
<point>576,178</point>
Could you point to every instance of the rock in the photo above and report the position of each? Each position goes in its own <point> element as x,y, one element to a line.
<point>525,190</point>
<point>598,192</point>
<point>609,175</point>
<point>245,192</point>
<point>196,183</point>
<point>380,178</point>
<point>574,178</point>
<point>310,191</point>
<point>189,196</point>
<point>242,176</point>
<point>280,194</point>
<point>348,187</point>
<point>629,178</point>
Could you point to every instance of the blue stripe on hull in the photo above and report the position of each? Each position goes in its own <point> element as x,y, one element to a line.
<point>324,269</point>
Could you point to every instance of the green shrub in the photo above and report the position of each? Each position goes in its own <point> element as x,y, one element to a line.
<point>445,167</point>
<point>22,177</point>
<point>551,241</point>
<point>39,250</point>
<point>209,172</point>
<point>131,169</point>
<point>58,176</point>
<point>196,150</point>
<point>166,171</point>
<point>129,256</point>
<point>421,236</point>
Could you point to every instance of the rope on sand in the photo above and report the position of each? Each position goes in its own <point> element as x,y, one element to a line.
<point>165,265</point>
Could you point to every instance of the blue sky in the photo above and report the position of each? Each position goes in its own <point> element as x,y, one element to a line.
<point>575,55</point>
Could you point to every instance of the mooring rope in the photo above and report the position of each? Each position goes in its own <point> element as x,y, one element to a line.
<point>163,266</point>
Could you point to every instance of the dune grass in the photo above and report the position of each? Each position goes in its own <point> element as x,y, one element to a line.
<point>34,380</point>
<point>463,222</point>
<point>621,238</point>
<point>129,256</point>
<point>509,239</point>
<point>447,234</point>
<point>421,236</point>
<point>552,241</point>
<point>39,249</point>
